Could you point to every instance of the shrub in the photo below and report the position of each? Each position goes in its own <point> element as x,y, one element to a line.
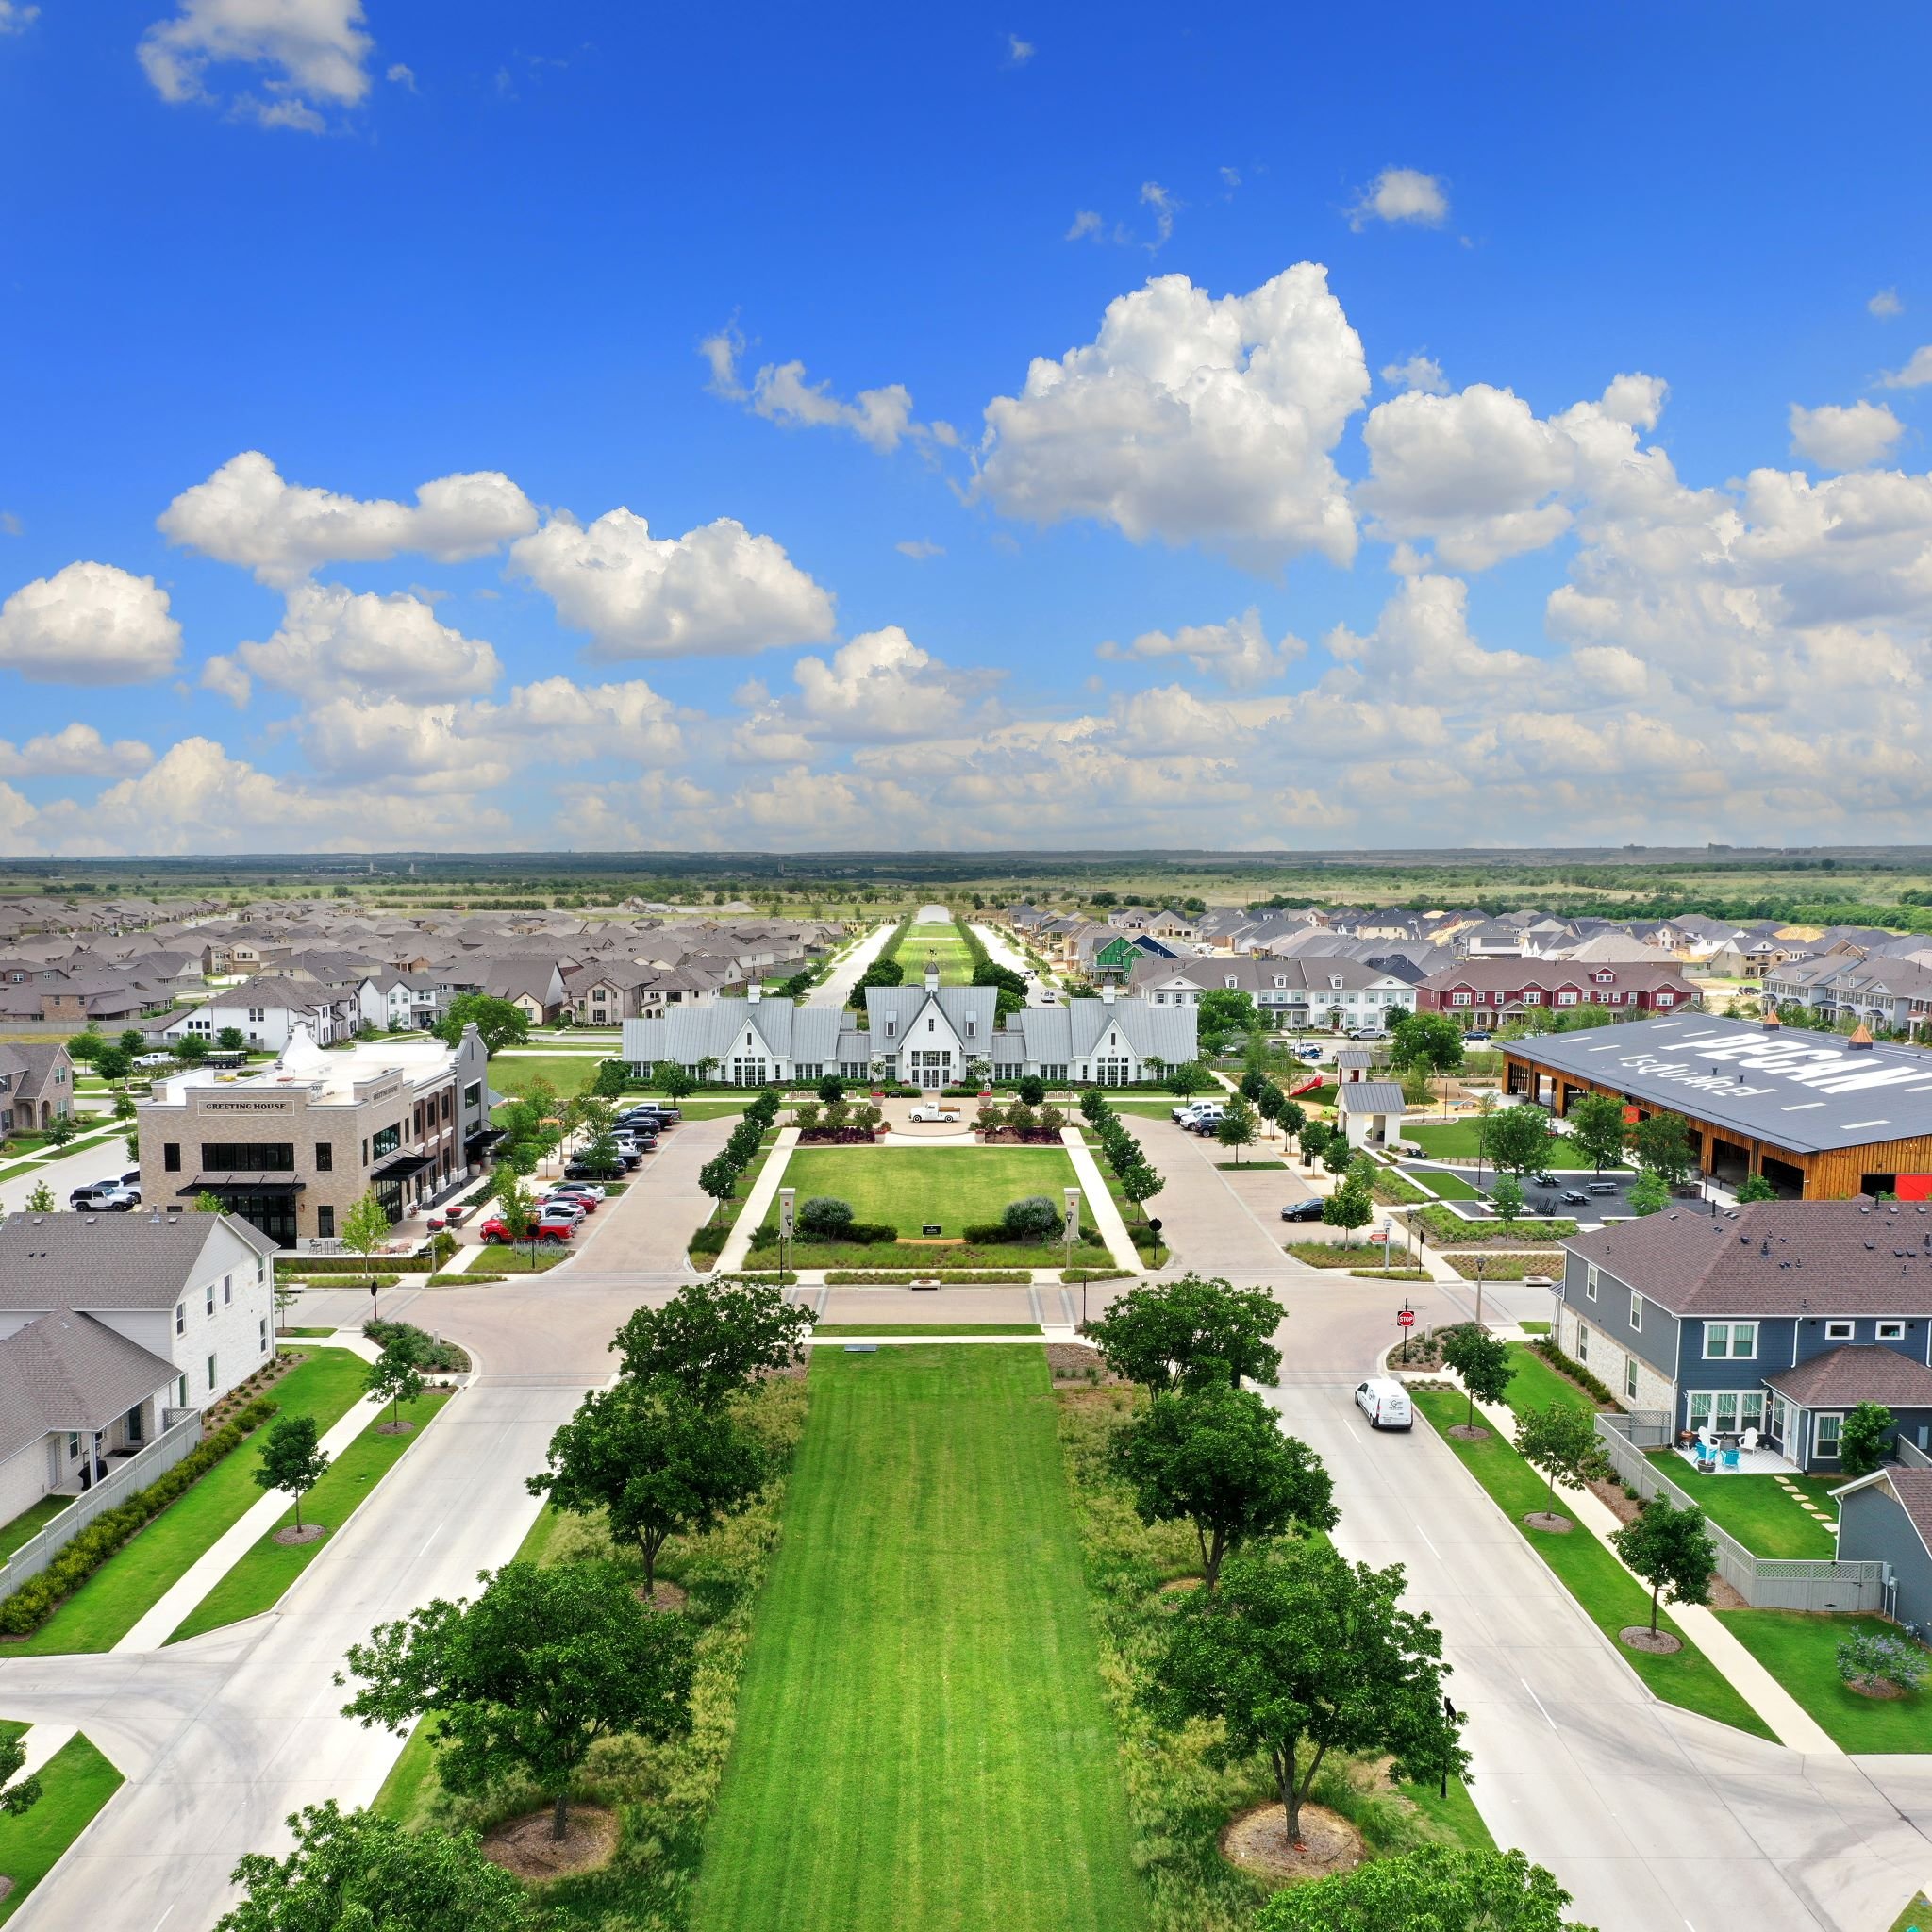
<point>1033,1090</point>
<point>985,1234</point>
<point>37,1599</point>
<point>1871,1658</point>
<point>1036,1218</point>
<point>824,1218</point>
<point>444,1356</point>
<point>711,1237</point>
<point>1575,1369</point>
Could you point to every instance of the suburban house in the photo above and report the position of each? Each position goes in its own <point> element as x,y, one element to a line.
<point>1886,1518</point>
<point>291,1147</point>
<point>534,985</point>
<point>267,1011</point>
<point>1490,992</point>
<point>403,1001</point>
<point>1894,994</point>
<point>110,1322</point>
<point>1305,990</point>
<point>927,1035</point>
<point>1777,1316</point>
<point>36,1084</point>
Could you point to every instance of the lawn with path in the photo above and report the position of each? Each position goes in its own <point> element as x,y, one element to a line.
<point>1608,1594</point>
<point>921,1737</point>
<point>1800,1652</point>
<point>914,1187</point>
<point>942,944</point>
<point>115,1598</point>
<point>258,1582</point>
<point>74,1783</point>
<point>1759,1512</point>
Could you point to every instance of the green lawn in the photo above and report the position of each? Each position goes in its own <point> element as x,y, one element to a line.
<point>944,944</point>
<point>920,1738</point>
<point>1456,1140</point>
<point>1757,1512</point>
<point>30,1522</point>
<point>77,1782</point>
<point>1447,1186</point>
<point>1917,1917</point>
<point>911,1187</point>
<point>1611,1598</point>
<point>115,1598</point>
<point>567,1073</point>
<point>1536,1385</point>
<point>1800,1652</point>
<point>926,1328</point>
<point>258,1582</point>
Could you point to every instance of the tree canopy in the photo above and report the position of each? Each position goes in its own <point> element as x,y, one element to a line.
<point>526,1679</point>
<point>1672,1551</point>
<point>1663,1146</point>
<point>1482,1361</point>
<point>1429,1041</point>
<point>1519,1140</point>
<point>1217,1457</point>
<point>713,1338</point>
<point>291,1459</point>
<point>1436,1889</point>
<point>1191,1332</point>
<point>500,1022</point>
<point>1597,1128</point>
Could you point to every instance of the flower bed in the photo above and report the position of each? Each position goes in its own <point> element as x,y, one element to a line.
<point>949,1277</point>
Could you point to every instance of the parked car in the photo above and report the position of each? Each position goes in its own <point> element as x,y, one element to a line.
<point>105,1197</point>
<point>576,1171</point>
<point>932,1114</point>
<point>566,1203</point>
<point>588,1191</point>
<point>665,1112</point>
<point>1302,1210</point>
<point>153,1059</point>
<point>1385,1403</point>
<point>1311,1053</point>
<point>1205,1120</point>
<point>1476,1039</point>
<point>549,1227</point>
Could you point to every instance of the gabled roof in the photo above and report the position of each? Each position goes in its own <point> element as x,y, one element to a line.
<point>139,1260</point>
<point>1371,1096</point>
<point>1912,1489</point>
<point>67,1371</point>
<point>1841,1377</point>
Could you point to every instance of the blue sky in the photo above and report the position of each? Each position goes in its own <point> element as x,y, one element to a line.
<point>1542,383</point>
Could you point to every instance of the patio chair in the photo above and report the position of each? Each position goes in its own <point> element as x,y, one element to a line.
<point>1727,1458</point>
<point>1750,1438</point>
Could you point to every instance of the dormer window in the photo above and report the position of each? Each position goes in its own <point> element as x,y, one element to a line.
<point>1335,981</point>
<point>1230,982</point>
<point>891,1027</point>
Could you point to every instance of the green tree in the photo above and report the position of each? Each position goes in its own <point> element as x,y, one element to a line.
<point>84,1045</point>
<point>718,1177</point>
<point>1482,1361</point>
<point>1756,1188</point>
<point>1312,1138</point>
<point>881,972</point>
<point>1432,1041</point>
<point>712,1339</point>
<point>1560,1440</point>
<point>1191,1334</point>
<point>655,1462</point>
<point>830,1089</point>
<point>396,1376</point>
<point>1300,1653</point>
<point>61,1129</point>
<point>1508,1197</point>
<point>1254,1083</point>
<point>1436,1889</point>
<point>1223,1011</point>
<point>1140,1183</point>
<point>1350,1207</point>
<point>1597,1128</point>
<point>1185,1078</point>
<point>292,1460</point>
<point>500,1022</point>
<point>613,1076</point>
<point>1216,1458</point>
<point>353,1869</point>
<point>1520,1141</point>
<point>22,1794</point>
<point>1862,1438</point>
<point>1648,1193</point>
<point>366,1225</point>
<point>231,1039</point>
<point>1239,1126</point>
<point>676,1080</point>
<point>206,1203</point>
<point>114,1063</point>
<point>1032,1090</point>
<point>131,1041</point>
<point>525,1680</point>
<point>191,1049</point>
<point>1338,1157</point>
<point>41,1201</point>
<point>1672,1551</point>
<point>1663,1146</point>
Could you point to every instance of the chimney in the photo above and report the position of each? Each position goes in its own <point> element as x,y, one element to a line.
<point>753,991</point>
<point>1107,992</point>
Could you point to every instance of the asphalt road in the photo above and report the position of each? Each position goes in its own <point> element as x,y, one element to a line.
<point>836,988</point>
<point>103,1160</point>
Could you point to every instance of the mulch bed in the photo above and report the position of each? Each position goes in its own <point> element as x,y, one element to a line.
<point>1074,1361</point>
<point>1874,1687</point>
<point>308,1533</point>
<point>396,1428</point>
<point>1549,1524</point>
<point>665,1595</point>
<point>1468,1432</point>
<point>1638,1637</point>
<point>1257,1842</point>
<point>524,1845</point>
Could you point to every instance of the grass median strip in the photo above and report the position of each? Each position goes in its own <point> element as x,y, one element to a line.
<point>115,1598</point>
<point>1016,1328</point>
<point>1608,1594</point>
<point>74,1783</point>
<point>951,1762</point>
<point>258,1582</point>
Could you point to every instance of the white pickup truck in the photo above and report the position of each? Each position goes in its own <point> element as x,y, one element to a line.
<point>931,1113</point>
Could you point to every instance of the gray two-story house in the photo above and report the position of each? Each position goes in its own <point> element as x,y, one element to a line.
<point>1778,1316</point>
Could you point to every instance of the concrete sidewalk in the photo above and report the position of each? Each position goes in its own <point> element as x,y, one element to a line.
<point>759,1203</point>
<point>1100,1204</point>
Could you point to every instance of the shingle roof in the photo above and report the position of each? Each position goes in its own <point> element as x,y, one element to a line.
<point>66,1371</point>
<point>1858,1372</point>
<point>137,1260</point>
<point>1774,1258</point>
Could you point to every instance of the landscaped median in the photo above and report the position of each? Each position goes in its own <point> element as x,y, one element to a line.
<point>1608,1594</point>
<point>258,1582</point>
<point>74,1783</point>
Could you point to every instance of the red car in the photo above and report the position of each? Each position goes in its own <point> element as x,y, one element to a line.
<point>545,1229</point>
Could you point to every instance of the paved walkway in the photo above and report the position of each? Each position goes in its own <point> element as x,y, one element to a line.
<point>1100,1204</point>
<point>835,988</point>
<point>759,1203</point>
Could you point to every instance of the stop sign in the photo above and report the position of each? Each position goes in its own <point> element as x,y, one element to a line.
<point>1405,1317</point>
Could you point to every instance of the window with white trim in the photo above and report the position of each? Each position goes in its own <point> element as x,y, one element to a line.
<point>1636,1311</point>
<point>1840,1331</point>
<point>1582,1343</point>
<point>1459,999</point>
<point>1736,1341</point>
<point>1630,1378</point>
<point>1565,999</point>
<point>1589,1281</point>
<point>1825,1439</point>
<point>1891,1331</point>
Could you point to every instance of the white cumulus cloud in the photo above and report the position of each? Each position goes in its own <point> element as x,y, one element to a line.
<point>1236,654</point>
<point>880,418</point>
<point>879,687</point>
<point>1885,305</point>
<point>718,591</point>
<point>245,514</point>
<point>1846,438</point>
<point>1401,194</point>
<point>309,55</point>
<point>1193,419</point>
<point>330,637</point>
<point>74,751</point>
<point>1421,373</point>
<point>88,623</point>
<point>1916,373</point>
<point>16,18</point>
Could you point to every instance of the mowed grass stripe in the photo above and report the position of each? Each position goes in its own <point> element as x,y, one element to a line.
<point>921,1737</point>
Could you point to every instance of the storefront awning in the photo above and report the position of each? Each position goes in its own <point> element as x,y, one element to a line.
<point>399,1167</point>
<point>482,1136</point>
<point>242,1183</point>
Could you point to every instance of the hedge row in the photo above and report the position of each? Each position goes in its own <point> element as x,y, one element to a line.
<point>1576,1370</point>
<point>39,1597</point>
<point>356,1264</point>
<point>950,1277</point>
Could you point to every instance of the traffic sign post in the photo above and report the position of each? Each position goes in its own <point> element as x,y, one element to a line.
<point>1404,1320</point>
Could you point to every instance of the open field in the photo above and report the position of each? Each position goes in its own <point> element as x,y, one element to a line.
<point>943,944</point>
<point>920,1738</point>
<point>914,1187</point>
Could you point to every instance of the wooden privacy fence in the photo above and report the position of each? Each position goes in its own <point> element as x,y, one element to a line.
<point>123,1479</point>
<point>1766,1583</point>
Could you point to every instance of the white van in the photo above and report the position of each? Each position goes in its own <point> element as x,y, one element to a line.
<point>1385,1403</point>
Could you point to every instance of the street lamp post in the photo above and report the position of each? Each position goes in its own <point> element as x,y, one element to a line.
<point>1070,1229</point>
<point>1482,1264</point>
